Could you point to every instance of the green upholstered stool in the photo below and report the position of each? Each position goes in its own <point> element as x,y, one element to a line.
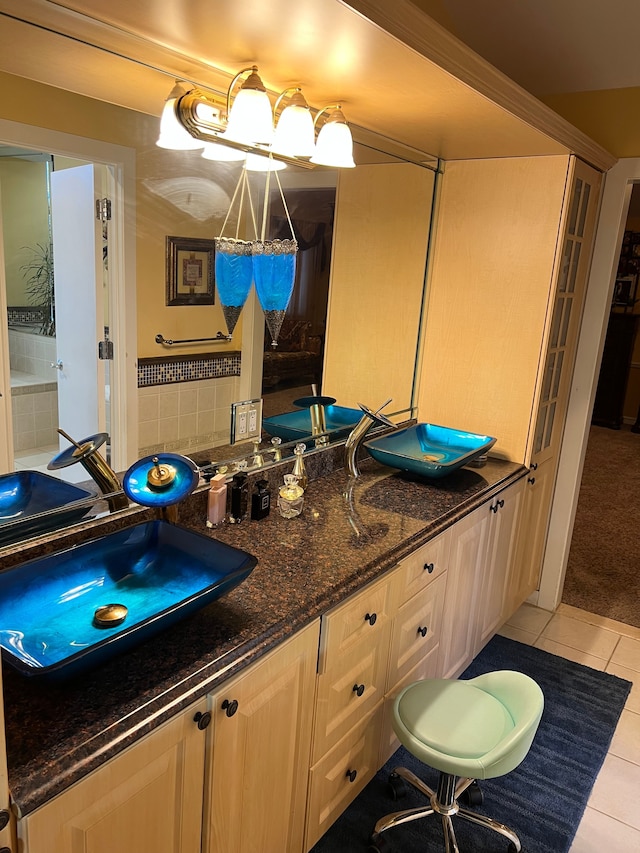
<point>468,730</point>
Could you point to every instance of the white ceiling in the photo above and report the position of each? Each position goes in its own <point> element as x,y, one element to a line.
<point>550,46</point>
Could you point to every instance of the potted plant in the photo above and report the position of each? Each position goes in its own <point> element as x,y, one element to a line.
<point>38,274</point>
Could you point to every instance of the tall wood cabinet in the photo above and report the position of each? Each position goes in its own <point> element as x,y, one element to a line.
<point>508,276</point>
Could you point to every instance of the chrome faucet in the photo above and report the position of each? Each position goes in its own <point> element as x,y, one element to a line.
<point>357,434</point>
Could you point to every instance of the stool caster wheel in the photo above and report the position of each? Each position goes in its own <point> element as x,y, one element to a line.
<point>473,796</point>
<point>378,844</point>
<point>397,787</point>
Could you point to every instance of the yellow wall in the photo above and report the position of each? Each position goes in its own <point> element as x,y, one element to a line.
<point>610,117</point>
<point>157,216</point>
<point>24,222</point>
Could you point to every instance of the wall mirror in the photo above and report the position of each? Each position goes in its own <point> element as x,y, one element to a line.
<point>372,270</point>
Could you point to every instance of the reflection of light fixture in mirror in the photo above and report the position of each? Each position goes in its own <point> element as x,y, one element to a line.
<point>249,117</point>
<point>172,134</point>
<point>216,151</point>
<point>334,146</point>
<point>294,134</point>
<point>261,163</point>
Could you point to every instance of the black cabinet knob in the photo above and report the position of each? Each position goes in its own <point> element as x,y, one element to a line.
<point>371,618</point>
<point>230,707</point>
<point>423,631</point>
<point>531,480</point>
<point>351,775</point>
<point>5,817</point>
<point>429,567</point>
<point>202,719</point>
<point>534,466</point>
<point>358,689</point>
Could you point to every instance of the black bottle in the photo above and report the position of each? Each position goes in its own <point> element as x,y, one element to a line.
<point>260,500</point>
<point>239,498</point>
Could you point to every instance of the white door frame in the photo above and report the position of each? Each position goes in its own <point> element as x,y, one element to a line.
<point>122,269</point>
<point>611,224</point>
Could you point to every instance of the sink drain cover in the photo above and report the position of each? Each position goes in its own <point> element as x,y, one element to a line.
<point>110,615</point>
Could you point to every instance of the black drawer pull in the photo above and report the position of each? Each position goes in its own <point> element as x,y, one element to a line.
<point>230,707</point>
<point>371,618</point>
<point>358,689</point>
<point>351,775</point>
<point>202,720</point>
<point>534,466</point>
<point>429,567</point>
<point>423,631</point>
<point>531,480</point>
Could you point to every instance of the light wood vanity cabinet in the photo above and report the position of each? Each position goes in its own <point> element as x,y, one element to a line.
<point>258,752</point>
<point>148,799</point>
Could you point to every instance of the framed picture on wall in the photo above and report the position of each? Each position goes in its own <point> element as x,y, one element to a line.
<point>190,271</point>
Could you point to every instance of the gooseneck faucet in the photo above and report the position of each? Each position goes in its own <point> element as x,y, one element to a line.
<point>357,434</point>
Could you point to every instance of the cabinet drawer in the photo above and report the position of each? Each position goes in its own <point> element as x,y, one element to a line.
<point>416,629</point>
<point>331,788</point>
<point>362,617</point>
<point>427,667</point>
<point>422,567</point>
<point>349,690</point>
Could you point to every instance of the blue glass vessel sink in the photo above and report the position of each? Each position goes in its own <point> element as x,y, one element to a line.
<point>24,495</point>
<point>428,450</point>
<point>63,614</point>
<point>291,426</point>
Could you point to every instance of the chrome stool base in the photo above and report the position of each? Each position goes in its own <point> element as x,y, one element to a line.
<point>443,802</point>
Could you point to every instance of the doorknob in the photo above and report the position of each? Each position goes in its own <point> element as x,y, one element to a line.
<point>57,365</point>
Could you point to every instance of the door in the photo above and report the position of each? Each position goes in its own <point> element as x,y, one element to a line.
<point>80,289</point>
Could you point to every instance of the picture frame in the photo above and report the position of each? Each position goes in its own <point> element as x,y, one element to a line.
<point>190,271</point>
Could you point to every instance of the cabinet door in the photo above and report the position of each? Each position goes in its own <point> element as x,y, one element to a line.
<point>258,754</point>
<point>532,535</point>
<point>505,511</point>
<point>146,800</point>
<point>464,578</point>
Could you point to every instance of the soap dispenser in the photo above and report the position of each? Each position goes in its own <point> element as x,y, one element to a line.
<point>217,500</point>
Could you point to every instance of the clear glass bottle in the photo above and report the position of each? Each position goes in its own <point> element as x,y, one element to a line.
<point>290,497</point>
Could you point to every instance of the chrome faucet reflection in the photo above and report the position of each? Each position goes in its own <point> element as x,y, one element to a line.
<point>86,452</point>
<point>357,434</point>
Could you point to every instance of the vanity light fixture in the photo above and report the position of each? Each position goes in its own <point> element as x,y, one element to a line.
<point>334,146</point>
<point>192,119</point>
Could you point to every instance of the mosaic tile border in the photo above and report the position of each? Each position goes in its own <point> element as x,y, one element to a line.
<point>19,315</point>
<point>177,368</point>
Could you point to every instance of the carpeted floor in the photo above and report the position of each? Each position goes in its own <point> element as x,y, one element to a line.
<point>603,571</point>
<point>543,799</point>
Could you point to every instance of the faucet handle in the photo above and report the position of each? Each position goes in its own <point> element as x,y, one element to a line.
<point>377,415</point>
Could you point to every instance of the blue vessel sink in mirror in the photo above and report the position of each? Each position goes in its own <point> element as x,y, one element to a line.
<point>25,495</point>
<point>67,612</point>
<point>429,450</point>
<point>292,426</point>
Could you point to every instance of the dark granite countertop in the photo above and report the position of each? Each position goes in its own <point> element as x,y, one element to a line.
<point>56,733</point>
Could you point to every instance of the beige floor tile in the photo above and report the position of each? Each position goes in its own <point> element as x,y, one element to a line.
<point>627,654</point>
<point>519,634</point>
<point>615,792</point>
<point>633,699</point>
<point>598,832</point>
<point>570,653</point>
<point>581,635</point>
<point>626,740</point>
<point>602,621</point>
<point>530,618</point>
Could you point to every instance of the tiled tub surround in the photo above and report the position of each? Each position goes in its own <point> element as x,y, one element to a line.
<point>34,390</point>
<point>184,402</point>
<point>57,734</point>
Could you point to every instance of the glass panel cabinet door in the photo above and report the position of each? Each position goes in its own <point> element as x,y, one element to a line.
<point>567,311</point>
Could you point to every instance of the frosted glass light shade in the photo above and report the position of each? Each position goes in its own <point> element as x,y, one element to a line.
<point>294,135</point>
<point>216,151</point>
<point>334,146</point>
<point>172,133</point>
<point>250,118</point>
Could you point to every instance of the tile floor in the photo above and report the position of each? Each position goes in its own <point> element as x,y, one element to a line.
<point>611,821</point>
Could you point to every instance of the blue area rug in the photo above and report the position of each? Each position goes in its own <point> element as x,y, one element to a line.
<point>543,800</point>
